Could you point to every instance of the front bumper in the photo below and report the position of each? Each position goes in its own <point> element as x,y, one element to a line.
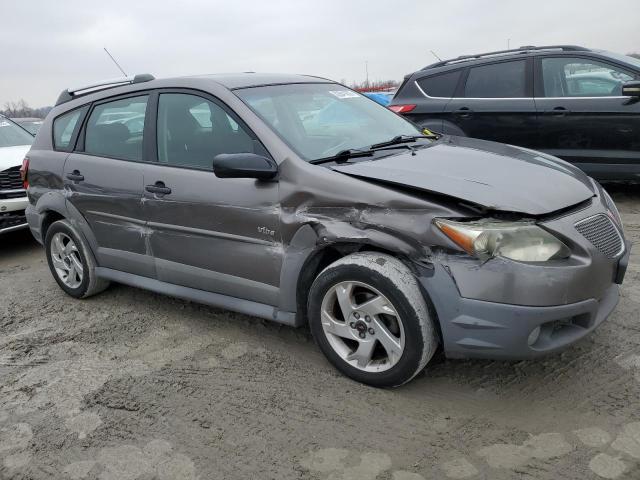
<point>12,215</point>
<point>473,328</point>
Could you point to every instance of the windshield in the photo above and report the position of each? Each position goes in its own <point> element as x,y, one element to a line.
<point>319,120</point>
<point>625,58</point>
<point>12,135</point>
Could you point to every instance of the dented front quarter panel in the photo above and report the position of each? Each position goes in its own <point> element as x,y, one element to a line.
<point>321,208</point>
<point>334,209</point>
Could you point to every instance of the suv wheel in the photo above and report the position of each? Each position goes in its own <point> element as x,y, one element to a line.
<point>370,319</point>
<point>71,262</point>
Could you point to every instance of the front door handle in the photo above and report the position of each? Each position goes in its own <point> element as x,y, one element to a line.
<point>159,188</point>
<point>558,111</point>
<point>75,176</point>
<point>463,112</point>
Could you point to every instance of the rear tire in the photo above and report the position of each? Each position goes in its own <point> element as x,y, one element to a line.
<point>370,319</point>
<point>71,262</point>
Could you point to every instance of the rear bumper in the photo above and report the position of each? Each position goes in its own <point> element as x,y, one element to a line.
<point>473,328</point>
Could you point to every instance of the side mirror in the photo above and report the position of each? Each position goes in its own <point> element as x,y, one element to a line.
<point>631,89</point>
<point>244,165</point>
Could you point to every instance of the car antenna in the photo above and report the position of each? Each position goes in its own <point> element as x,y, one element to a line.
<point>432,52</point>
<point>114,61</point>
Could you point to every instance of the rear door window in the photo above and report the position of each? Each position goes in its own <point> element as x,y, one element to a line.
<point>442,86</point>
<point>498,80</point>
<point>115,129</point>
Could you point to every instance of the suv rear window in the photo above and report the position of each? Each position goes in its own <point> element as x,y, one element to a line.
<point>498,80</point>
<point>63,128</point>
<point>443,85</point>
<point>115,129</point>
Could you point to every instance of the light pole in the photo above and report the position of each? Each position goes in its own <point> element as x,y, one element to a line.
<point>366,69</point>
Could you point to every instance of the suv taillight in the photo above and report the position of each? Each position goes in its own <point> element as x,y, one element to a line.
<point>401,108</point>
<point>24,170</point>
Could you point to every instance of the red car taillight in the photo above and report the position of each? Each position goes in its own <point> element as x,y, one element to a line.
<point>24,170</point>
<point>401,108</point>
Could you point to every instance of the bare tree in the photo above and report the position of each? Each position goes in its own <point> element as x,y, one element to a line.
<point>374,86</point>
<point>18,109</point>
<point>634,55</point>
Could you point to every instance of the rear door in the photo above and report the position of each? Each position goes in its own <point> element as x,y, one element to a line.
<point>582,116</point>
<point>495,102</point>
<point>215,234</point>
<point>105,183</point>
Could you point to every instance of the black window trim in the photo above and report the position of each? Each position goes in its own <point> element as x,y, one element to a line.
<point>80,144</point>
<point>76,129</point>
<point>528,80</point>
<point>153,138</point>
<point>539,80</point>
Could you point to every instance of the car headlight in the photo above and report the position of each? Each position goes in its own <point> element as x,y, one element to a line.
<point>522,241</point>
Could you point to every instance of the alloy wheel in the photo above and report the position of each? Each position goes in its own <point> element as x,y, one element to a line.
<point>362,326</point>
<point>66,260</point>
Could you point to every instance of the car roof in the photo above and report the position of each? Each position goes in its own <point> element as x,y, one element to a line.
<point>522,52</point>
<point>230,81</point>
<point>234,81</point>
<point>500,54</point>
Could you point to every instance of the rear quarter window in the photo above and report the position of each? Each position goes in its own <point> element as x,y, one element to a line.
<point>64,128</point>
<point>442,85</point>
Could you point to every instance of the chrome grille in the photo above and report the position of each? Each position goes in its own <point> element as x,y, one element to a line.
<point>603,234</point>
<point>10,179</point>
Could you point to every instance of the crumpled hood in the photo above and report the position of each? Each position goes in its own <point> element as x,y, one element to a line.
<point>494,175</point>
<point>12,156</point>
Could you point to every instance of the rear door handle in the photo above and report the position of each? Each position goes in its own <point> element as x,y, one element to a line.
<point>558,111</point>
<point>463,112</point>
<point>75,176</point>
<point>159,188</point>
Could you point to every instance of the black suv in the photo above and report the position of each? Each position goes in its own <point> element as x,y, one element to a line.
<point>578,104</point>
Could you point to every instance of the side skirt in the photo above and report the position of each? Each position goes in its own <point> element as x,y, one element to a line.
<point>239,305</point>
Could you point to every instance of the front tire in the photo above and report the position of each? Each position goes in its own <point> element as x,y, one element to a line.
<point>370,319</point>
<point>71,262</point>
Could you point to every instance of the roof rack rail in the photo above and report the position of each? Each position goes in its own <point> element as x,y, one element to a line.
<point>520,50</point>
<point>71,93</point>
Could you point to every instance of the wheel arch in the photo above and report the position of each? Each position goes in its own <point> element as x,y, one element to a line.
<point>326,254</point>
<point>450,128</point>
<point>442,126</point>
<point>53,207</point>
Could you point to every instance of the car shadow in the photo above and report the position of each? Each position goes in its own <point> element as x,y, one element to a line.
<point>17,243</point>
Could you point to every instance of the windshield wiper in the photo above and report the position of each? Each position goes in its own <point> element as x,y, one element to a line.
<point>400,139</point>
<point>343,156</point>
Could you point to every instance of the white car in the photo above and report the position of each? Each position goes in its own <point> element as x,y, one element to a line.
<point>15,142</point>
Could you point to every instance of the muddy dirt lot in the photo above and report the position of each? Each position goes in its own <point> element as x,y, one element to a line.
<point>130,384</point>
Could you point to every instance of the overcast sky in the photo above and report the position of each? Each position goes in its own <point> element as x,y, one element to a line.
<point>46,46</point>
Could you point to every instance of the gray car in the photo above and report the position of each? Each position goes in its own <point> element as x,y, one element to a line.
<point>298,200</point>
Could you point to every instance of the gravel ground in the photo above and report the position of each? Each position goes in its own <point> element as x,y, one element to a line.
<point>130,384</point>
